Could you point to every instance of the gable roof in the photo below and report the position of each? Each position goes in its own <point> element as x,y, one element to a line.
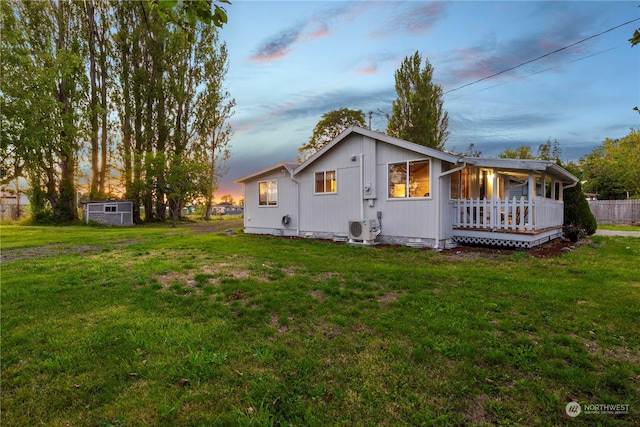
<point>548,167</point>
<point>401,143</point>
<point>288,166</point>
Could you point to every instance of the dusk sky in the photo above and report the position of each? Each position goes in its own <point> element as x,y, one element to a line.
<point>292,61</point>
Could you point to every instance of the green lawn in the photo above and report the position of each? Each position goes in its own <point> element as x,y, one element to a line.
<point>161,326</point>
<point>618,227</point>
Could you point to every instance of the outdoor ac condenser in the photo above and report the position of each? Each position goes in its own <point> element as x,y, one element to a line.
<point>362,229</point>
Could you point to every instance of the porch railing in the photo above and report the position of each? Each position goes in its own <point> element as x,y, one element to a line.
<point>515,214</point>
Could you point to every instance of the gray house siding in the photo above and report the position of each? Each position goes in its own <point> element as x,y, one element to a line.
<point>326,215</point>
<point>268,219</point>
<point>404,219</point>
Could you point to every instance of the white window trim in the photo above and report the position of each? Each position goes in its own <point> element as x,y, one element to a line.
<point>324,193</point>
<point>429,197</point>
<point>110,205</point>
<point>268,205</point>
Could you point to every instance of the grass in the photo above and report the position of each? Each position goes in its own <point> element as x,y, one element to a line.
<point>619,227</point>
<point>161,326</point>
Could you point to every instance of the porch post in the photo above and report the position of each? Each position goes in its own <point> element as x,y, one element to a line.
<point>494,199</point>
<point>561,191</point>
<point>532,195</point>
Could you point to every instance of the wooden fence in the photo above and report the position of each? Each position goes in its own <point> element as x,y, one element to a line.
<point>616,211</point>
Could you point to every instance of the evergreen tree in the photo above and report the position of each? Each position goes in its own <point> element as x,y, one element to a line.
<point>578,218</point>
<point>418,114</point>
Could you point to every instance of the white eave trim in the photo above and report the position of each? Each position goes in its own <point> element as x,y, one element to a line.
<point>288,166</point>
<point>421,149</point>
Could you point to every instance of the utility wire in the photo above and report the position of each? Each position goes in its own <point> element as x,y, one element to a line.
<point>543,56</point>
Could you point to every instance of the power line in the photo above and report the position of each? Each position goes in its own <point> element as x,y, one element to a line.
<point>542,56</point>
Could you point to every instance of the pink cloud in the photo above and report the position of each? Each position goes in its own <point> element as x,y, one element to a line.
<point>367,71</point>
<point>265,58</point>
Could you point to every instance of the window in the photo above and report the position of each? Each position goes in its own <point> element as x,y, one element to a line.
<point>409,179</point>
<point>268,193</point>
<point>326,182</point>
<point>461,184</point>
<point>110,208</point>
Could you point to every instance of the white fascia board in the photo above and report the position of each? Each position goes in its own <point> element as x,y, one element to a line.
<point>282,165</point>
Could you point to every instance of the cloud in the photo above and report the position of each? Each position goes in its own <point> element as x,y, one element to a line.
<point>492,55</point>
<point>277,47</point>
<point>413,19</point>
<point>373,64</point>
<point>321,24</point>
<point>309,108</point>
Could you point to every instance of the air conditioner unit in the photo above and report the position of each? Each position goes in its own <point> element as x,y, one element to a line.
<point>362,229</point>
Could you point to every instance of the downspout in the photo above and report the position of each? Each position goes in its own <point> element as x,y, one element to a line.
<point>297,202</point>
<point>562,188</point>
<point>439,200</point>
<point>361,185</point>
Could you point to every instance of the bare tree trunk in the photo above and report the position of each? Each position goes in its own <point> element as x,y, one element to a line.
<point>93,99</point>
<point>104,143</point>
<point>66,209</point>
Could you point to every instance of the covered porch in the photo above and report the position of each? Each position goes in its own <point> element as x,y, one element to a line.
<point>508,202</point>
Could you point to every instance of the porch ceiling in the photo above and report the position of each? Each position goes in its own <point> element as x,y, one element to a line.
<point>524,166</point>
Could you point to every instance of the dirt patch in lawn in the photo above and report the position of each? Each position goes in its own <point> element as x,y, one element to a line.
<point>617,353</point>
<point>214,226</point>
<point>385,299</point>
<point>36,252</point>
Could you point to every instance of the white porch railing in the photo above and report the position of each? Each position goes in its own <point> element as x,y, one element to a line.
<point>508,214</point>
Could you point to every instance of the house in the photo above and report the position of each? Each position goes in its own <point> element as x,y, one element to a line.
<point>109,212</point>
<point>225,208</point>
<point>367,187</point>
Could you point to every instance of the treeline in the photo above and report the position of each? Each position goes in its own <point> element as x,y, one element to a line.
<point>612,170</point>
<point>114,85</point>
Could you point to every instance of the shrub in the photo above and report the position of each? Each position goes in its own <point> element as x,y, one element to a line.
<point>577,214</point>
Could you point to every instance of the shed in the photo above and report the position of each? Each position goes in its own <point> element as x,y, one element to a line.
<point>110,212</point>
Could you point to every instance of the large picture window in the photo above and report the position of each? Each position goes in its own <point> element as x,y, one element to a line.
<point>409,179</point>
<point>268,193</point>
<point>326,182</point>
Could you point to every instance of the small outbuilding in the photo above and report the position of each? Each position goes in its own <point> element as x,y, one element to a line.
<point>109,212</point>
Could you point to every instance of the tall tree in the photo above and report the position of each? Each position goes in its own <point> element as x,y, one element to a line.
<point>98,40</point>
<point>214,107</point>
<point>418,114</point>
<point>549,150</point>
<point>43,88</point>
<point>159,62</point>
<point>330,126</point>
